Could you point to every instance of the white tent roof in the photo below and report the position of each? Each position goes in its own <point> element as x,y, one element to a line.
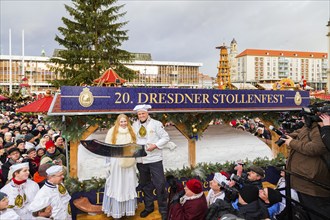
<point>266,86</point>
<point>243,86</point>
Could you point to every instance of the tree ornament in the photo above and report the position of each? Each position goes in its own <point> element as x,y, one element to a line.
<point>195,130</point>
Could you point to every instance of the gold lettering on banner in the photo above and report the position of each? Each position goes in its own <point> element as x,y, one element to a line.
<point>205,184</point>
<point>142,98</point>
<point>194,98</point>
<point>98,196</point>
<point>140,194</point>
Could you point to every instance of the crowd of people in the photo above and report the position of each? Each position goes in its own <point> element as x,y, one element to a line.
<point>33,160</point>
<point>254,126</point>
<point>33,166</point>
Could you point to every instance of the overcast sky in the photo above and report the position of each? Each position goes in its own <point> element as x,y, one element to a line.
<point>181,31</point>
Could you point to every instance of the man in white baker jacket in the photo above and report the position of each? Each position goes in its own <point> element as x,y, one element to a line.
<point>53,194</point>
<point>151,133</point>
<point>5,212</point>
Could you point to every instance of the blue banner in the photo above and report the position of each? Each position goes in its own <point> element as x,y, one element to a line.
<point>124,99</point>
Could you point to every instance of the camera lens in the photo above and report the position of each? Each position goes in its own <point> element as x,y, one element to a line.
<point>280,142</point>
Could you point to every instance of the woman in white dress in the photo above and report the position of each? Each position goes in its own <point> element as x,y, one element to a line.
<point>20,190</point>
<point>120,188</point>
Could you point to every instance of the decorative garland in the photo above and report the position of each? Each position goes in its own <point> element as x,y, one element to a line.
<point>191,124</point>
<point>202,170</point>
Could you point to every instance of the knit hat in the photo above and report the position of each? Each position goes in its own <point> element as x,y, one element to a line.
<point>28,137</point>
<point>233,123</point>
<point>49,144</point>
<point>195,186</point>
<point>2,195</point>
<point>9,144</point>
<point>274,196</point>
<point>249,193</point>
<point>258,170</point>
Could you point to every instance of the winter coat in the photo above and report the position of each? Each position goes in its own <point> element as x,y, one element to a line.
<point>253,211</point>
<point>194,209</point>
<point>305,159</point>
<point>325,135</point>
<point>56,155</point>
<point>218,209</point>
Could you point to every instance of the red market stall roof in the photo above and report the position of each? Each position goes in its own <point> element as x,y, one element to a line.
<point>109,77</point>
<point>41,105</point>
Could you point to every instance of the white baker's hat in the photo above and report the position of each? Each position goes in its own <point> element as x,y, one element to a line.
<point>219,178</point>
<point>37,205</point>
<point>143,107</point>
<point>53,170</point>
<point>13,168</point>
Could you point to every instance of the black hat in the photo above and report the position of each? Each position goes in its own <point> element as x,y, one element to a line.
<point>249,193</point>
<point>28,137</point>
<point>19,141</point>
<point>35,132</point>
<point>257,170</point>
<point>4,126</point>
<point>9,144</point>
<point>274,196</point>
<point>11,150</point>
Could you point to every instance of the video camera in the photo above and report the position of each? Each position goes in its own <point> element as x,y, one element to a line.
<point>290,123</point>
<point>311,112</point>
<point>236,178</point>
<point>231,194</point>
<point>279,142</point>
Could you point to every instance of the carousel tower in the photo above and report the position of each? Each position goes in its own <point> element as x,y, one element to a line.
<point>223,76</point>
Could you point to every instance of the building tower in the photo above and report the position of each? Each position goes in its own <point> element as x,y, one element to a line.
<point>223,76</point>
<point>328,72</point>
<point>233,61</point>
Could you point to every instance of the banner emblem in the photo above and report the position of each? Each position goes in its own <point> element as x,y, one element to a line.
<point>86,98</point>
<point>297,98</point>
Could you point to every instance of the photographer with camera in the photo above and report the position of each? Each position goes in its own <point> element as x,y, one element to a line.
<point>253,177</point>
<point>305,159</point>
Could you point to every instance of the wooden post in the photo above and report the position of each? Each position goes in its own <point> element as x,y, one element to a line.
<point>74,150</point>
<point>192,152</point>
<point>191,145</point>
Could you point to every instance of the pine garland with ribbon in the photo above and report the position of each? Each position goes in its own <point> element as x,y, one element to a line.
<point>202,170</point>
<point>193,123</point>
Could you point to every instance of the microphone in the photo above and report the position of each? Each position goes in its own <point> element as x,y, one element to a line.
<point>280,133</point>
